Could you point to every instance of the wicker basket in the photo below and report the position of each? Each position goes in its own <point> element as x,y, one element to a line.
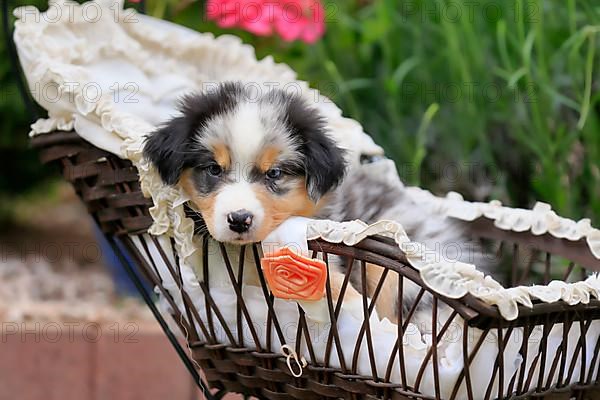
<point>109,186</point>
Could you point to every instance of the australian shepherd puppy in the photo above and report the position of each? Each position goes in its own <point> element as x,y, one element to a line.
<point>250,162</point>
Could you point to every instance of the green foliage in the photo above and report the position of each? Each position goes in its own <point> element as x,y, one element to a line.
<point>518,107</point>
<point>491,98</point>
<point>21,169</point>
<point>494,99</point>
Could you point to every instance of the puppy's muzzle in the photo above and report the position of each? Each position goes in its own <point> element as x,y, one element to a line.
<point>239,221</point>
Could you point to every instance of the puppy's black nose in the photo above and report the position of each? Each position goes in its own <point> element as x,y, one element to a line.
<point>239,221</point>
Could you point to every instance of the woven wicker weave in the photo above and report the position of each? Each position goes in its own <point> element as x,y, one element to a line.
<point>109,187</point>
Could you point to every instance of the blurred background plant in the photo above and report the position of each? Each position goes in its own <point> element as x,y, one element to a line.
<point>491,98</point>
<point>23,178</point>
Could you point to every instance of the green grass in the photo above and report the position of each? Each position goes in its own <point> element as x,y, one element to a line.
<point>501,101</point>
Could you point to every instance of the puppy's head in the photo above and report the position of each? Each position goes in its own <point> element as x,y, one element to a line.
<point>248,162</point>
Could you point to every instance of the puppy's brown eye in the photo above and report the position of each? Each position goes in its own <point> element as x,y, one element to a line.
<point>214,170</point>
<point>274,173</point>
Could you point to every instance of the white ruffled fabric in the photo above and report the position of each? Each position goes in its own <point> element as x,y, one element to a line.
<point>455,279</point>
<point>540,220</point>
<point>122,72</point>
<point>113,76</point>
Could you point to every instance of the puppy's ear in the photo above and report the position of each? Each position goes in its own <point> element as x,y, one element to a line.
<point>324,165</point>
<point>171,147</point>
<point>324,162</point>
<point>167,148</point>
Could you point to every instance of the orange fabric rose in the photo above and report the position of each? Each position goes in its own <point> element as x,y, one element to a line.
<point>293,276</point>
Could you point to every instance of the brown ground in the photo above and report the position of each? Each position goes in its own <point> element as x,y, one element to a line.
<point>64,332</point>
<point>51,266</point>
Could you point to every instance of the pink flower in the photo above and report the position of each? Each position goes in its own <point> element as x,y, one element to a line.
<point>250,15</point>
<point>290,19</point>
<point>301,19</point>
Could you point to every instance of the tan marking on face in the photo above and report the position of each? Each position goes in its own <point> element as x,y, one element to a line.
<point>221,154</point>
<point>279,208</point>
<point>267,158</point>
<point>205,204</point>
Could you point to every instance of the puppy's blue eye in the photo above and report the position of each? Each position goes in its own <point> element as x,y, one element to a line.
<point>214,170</point>
<point>274,173</point>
